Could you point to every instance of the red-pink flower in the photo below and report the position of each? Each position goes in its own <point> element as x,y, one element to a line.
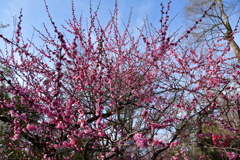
<point>46,110</point>
<point>232,155</point>
<point>214,139</point>
<point>60,125</point>
<point>102,134</point>
<point>201,135</point>
<point>137,136</point>
<point>31,127</point>
<point>142,142</point>
<point>155,143</point>
<point>144,113</point>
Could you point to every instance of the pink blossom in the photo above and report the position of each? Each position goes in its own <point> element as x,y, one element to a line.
<point>12,113</point>
<point>214,139</point>
<point>66,144</point>
<point>155,143</point>
<point>173,144</point>
<point>144,113</point>
<point>232,155</point>
<point>87,131</point>
<point>142,142</point>
<point>137,136</point>
<point>73,141</point>
<point>60,125</point>
<point>15,137</point>
<point>23,116</point>
<point>102,134</point>
<point>68,112</point>
<point>31,127</point>
<point>201,135</point>
<point>46,110</point>
<point>98,121</point>
<point>114,149</point>
<point>175,158</point>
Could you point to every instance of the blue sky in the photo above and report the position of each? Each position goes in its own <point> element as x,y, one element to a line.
<point>34,12</point>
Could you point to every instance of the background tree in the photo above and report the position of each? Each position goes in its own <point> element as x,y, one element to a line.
<point>221,21</point>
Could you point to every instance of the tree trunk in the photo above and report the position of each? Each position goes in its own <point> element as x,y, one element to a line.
<point>228,34</point>
<point>236,49</point>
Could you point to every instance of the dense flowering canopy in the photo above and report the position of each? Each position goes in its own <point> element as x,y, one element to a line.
<point>114,96</point>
